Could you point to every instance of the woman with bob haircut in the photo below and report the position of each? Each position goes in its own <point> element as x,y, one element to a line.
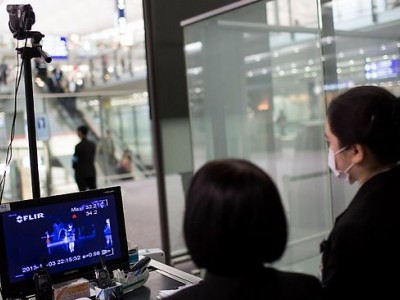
<point>234,224</point>
<point>363,133</point>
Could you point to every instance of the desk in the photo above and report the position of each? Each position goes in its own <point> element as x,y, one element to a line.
<point>162,277</point>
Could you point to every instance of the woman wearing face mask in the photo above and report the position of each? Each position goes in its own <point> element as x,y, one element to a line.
<point>361,253</point>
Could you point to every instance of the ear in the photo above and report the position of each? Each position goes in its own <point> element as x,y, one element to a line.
<point>359,153</point>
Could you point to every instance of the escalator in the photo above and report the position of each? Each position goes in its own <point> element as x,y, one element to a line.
<point>65,115</point>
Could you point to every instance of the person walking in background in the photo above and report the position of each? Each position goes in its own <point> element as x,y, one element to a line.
<point>3,73</point>
<point>281,121</point>
<point>360,254</point>
<point>54,82</point>
<point>83,161</point>
<point>124,166</point>
<point>233,206</point>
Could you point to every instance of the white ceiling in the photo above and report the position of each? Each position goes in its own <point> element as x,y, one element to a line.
<point>65,17</point>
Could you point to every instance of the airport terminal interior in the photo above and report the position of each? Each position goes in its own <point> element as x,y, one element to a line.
<point>259,76</point>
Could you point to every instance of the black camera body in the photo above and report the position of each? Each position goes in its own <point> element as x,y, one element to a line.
<point>43,285</point>
<point>104,279</point>
<point>21,20</point>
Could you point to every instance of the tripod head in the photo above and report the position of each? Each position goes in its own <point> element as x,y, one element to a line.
<point>36,38</point>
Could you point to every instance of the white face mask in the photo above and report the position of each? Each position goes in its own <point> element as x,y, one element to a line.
<point>344,175</point>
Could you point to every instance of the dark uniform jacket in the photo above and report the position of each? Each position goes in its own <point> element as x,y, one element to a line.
<point>83,159</point>
<point>267,283</point>
<point>361,257</point>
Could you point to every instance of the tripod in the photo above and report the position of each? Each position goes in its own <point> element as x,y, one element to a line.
<point>27,53</point>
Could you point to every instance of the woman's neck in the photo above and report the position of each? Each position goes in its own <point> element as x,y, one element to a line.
<point>374,172</point>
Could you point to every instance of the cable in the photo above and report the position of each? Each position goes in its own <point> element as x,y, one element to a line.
<point>18,76</point>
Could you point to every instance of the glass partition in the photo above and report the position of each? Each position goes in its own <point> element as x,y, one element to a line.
<point>255,81</point>
<point>259,77</point>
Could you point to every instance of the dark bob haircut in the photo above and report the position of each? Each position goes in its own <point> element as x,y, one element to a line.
<point>367,115</point>
<point>233,207</point>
